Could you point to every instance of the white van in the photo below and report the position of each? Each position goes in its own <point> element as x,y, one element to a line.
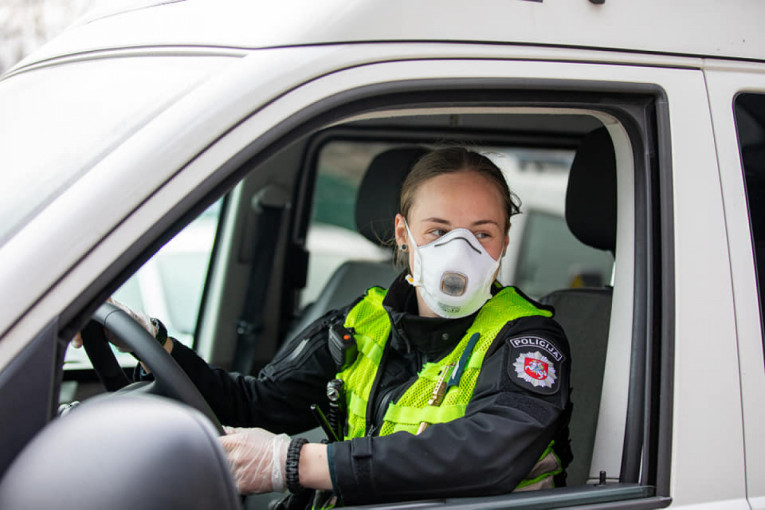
<point>119,133</point>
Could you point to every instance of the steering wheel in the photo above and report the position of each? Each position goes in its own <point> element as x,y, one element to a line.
<point>169,379</point>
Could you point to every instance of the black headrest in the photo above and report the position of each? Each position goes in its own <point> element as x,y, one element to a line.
<point>122,452</point>
<point>591,193</point>
<point>377,202</point>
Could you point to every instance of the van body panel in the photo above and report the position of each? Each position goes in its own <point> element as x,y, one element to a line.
<point>724,86</point>
<point>648,26</point>
<point>706,369</point>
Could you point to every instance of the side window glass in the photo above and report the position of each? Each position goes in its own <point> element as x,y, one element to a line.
<point>543,254</point>
<point>332,237</point>
<point>750,127</point>
<point>169,285</point>
<point>552,258</point>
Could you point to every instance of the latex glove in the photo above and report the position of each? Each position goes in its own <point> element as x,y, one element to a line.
<point>140,317</point>
<point>257,458</point>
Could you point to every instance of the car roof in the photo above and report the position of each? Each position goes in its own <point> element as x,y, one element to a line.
<point>698,27</point>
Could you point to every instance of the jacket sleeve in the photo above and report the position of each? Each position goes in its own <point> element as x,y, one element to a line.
<point>507,425</point>
<point>278,399</point>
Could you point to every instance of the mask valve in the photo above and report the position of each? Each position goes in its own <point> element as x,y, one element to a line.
<point>453,284</point>
<point>453,274</point>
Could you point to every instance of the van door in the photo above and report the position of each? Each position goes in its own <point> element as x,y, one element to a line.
<point>737,102</point>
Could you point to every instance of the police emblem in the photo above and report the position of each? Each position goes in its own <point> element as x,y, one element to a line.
<point>535,369</point>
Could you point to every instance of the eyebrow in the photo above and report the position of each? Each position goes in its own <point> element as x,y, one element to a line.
<point>474,224</point>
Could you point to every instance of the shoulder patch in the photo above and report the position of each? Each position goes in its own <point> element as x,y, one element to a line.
<point>534,364</point>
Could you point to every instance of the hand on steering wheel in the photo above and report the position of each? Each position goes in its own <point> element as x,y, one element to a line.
<point>141,318</point>
<point>169,379</point>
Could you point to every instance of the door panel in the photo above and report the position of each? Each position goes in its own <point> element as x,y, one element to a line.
<point>26,393</point>
<point>732,131</point>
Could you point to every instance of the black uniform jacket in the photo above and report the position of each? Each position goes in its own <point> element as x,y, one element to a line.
<point>507,425</point>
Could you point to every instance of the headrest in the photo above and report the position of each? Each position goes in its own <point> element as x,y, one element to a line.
<point>591,192</point>
<point>377,202</point>
<point>122,452</point>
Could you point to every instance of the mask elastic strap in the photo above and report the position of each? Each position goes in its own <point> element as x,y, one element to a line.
<point>409,278</point>
<point>409,234</point>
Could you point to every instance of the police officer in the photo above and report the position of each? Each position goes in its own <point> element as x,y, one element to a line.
<point>457,386</point>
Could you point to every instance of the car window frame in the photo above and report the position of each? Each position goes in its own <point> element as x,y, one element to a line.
<point>654,289</point>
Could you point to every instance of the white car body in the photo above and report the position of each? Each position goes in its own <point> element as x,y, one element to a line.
<point>260,70</point>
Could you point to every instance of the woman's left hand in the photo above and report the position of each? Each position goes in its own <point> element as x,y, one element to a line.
<point>257,458</point>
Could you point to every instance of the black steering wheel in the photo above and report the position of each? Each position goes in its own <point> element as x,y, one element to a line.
<point>169,379</point>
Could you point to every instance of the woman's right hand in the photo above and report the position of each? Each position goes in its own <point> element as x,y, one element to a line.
<point>257,459</point>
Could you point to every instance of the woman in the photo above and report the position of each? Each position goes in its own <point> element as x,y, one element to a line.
<point>458,387</point>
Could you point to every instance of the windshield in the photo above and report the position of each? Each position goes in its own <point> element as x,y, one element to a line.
<point>56,122</point>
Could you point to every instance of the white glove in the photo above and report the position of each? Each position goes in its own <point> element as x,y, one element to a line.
<point>257,458</point>
<point>140,317</point>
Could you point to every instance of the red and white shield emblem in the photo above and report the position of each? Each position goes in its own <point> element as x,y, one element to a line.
<point>535,369</point>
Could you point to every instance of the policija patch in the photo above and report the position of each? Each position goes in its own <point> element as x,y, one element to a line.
<point>535,364</point>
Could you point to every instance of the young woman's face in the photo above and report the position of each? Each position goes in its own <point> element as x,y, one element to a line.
<point>456,200</point>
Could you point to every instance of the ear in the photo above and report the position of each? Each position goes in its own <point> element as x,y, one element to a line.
<point>400,229</point>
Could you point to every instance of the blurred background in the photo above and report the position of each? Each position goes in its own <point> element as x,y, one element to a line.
<point>26,24</point>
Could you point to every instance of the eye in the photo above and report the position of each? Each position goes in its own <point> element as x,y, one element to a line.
<point>482,235</point>
<point>438,232</point>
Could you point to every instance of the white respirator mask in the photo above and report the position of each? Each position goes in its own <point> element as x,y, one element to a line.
<point>454,273</point>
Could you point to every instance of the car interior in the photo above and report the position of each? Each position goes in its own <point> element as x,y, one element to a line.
<point>307,228</point>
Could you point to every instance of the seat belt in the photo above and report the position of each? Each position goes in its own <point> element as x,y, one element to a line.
<point>268,207</point>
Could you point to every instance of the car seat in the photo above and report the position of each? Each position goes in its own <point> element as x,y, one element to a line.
<point>584,313</point>
<point>377,203</point>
